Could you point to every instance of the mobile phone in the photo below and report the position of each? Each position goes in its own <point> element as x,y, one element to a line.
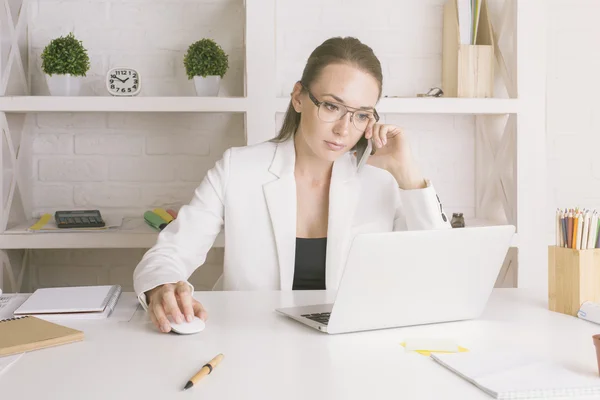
<point>364,147</point>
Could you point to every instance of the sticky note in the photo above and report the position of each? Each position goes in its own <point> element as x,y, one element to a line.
<point>426,346</point>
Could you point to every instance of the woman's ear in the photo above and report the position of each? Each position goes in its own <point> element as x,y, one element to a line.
<point>296,97</point>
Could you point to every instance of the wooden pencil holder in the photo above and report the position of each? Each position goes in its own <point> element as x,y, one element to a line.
<point>573,278</point>
<point>467,70</point>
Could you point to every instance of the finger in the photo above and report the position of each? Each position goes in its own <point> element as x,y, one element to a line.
<point>170,305</point>
<point>392,133</point>
<point>369,130</point>
<point>159,314</point>
<point>383,134</point>
<point>199,310</point>
<point>154,320</point>
<point>376,136</point>
<point>185,300</point>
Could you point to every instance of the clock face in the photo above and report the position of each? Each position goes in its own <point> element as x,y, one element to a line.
<point>123,82</point>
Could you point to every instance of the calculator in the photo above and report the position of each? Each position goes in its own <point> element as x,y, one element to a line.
<point>79,219</point>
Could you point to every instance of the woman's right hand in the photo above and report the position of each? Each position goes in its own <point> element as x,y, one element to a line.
<point>173,299</point>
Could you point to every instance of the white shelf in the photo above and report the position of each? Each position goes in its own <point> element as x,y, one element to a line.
<point>133,234</point>
<point>474,222</point>
<point>24,104</point>
<point>432,105</point>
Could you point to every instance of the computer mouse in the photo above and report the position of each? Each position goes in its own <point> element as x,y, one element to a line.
<point>186,328</point>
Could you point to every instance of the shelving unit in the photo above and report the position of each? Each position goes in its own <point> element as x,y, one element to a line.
<point>133,234</point>
<point>510,156</point>
<point>31,104</point>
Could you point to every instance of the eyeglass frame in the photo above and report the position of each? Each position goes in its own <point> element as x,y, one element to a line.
<point>318,104</point>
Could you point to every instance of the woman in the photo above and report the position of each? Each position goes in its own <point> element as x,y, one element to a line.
<point>290,206</point>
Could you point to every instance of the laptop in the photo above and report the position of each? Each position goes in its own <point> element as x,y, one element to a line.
<point>396,279</point>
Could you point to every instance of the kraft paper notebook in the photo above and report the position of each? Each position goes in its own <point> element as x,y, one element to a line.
<point>22,334</point>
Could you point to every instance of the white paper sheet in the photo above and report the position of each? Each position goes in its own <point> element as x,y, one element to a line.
<point>9,303</point>
<point>7,361</point>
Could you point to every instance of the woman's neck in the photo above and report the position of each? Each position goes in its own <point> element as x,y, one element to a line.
<point>309,166</point>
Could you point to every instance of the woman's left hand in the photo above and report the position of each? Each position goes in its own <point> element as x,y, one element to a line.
<point>394,155</point>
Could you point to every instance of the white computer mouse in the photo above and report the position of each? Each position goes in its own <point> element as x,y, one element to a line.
<point>186,328</point>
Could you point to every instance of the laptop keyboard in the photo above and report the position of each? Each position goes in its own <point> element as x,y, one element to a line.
<point>322,318</point>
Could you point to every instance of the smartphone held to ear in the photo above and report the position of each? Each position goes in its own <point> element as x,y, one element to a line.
<point>364,147</point>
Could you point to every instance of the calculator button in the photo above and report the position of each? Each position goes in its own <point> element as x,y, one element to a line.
<point>85,220</point>
<point>71,220</point>
<point>78,220</point>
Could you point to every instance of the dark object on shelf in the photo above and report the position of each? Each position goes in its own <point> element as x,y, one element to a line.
<point>433,92</point>
<point>458,221</point>
<point>79,219</point>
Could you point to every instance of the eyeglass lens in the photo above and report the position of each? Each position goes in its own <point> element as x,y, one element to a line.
<point>330,112</point>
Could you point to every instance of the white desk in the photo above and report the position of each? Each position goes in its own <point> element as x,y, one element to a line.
<point>268,356</point>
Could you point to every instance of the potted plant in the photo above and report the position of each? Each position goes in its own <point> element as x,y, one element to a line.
<point>65,63</point>
<point>206,63</point>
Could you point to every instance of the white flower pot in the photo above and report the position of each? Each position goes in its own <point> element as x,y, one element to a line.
<point>64,85</point>
<point>208,86</point>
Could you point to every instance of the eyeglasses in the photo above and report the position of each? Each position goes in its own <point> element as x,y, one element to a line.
<point>329,111</point>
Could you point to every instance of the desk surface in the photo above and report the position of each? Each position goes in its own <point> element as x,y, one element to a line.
<point>268,356</point>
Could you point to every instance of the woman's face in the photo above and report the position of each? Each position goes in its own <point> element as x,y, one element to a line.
<point>337,84</point>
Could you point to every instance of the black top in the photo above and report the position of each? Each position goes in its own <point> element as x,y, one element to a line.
<point>309,269</point>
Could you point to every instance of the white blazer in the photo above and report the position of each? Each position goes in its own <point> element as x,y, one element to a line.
<point>251,194</point>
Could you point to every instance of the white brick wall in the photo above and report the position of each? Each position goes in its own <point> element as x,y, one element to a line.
<point>151,36</point>
<point>130,162</point>
<point>573,110</point>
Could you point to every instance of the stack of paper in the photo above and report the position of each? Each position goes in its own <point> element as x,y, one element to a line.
<point>78,302</point>
<point>515,376</point>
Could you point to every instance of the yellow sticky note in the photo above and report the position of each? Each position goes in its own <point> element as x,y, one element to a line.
<point>428,352</point>
<point>41,222</point>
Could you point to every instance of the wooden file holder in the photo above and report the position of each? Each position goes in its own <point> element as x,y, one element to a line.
<point>573,278</point>
<point>467,70</point>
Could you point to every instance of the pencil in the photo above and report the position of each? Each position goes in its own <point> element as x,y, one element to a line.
<point>579,230</point>
<point>570,230</point>
<point>575,227</point>
<point>593,230</point>
<point>564,221</point>
<point>585,230</point>
<point>205,370</point>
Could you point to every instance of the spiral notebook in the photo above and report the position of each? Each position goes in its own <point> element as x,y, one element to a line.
<point>505,375</point>
<point>81,302</point>
<point>22,334</point>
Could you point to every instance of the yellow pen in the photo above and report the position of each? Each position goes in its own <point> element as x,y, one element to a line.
<point>205,370</point>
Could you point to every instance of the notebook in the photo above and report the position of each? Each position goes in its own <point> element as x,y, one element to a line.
<point>505,375</point>
<point>21,334</point>
<point>73,302</point>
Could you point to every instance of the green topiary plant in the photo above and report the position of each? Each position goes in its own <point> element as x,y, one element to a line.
<point>65,55</point>
<point>205,58</point>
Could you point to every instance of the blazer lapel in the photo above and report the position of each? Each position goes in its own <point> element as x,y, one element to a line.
<point>280,196</point>
<point>343,197</point>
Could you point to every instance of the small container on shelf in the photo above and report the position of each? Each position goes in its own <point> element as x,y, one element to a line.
<point>467,69</point>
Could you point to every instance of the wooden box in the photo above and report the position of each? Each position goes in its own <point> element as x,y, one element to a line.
<point>467,70</point>
<point>573,278</point>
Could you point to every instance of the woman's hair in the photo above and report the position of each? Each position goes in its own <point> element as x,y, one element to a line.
<point>336,50</point>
